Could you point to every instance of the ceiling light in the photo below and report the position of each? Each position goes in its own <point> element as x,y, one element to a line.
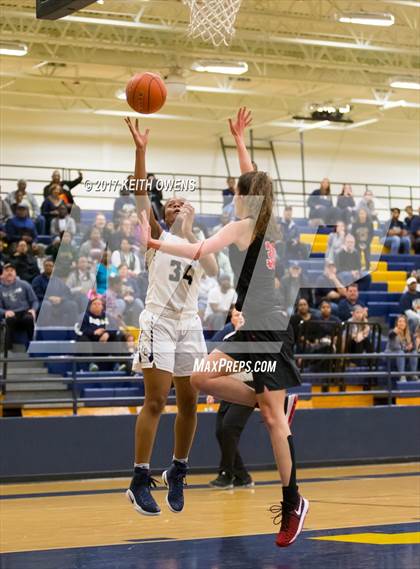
<point>366,19</point>
<point>405,83</point>
<point>385,104</point>
<point>225,67</point>
<point>223,90</point>
<point>17,49</point>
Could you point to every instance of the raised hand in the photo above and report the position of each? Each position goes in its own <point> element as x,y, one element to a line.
<point>140,139</point>
<point>187,212</point>
<point>145,231</point>
<point>243,120</point>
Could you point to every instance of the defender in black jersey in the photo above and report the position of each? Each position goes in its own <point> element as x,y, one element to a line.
<point>265,337</point>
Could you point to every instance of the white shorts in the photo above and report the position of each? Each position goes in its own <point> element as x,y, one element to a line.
<point>168,344</point>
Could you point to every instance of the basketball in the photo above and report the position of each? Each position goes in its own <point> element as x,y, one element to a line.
<point>146,93</point>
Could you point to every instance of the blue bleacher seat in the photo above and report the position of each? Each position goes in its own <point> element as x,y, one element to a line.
<point>375,296</point>
<point>44,239</point>
<point>382,308</point>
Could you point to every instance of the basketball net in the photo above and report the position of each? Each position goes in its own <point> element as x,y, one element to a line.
<point>213,20</point>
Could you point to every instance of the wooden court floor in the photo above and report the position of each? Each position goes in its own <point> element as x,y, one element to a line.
<point>360,517</point>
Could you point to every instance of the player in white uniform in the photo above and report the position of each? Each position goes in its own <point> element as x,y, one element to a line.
<point>171,338</point>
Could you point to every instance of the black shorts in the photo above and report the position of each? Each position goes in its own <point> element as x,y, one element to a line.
<point>272,368</point>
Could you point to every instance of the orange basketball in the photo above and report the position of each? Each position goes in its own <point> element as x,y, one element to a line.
<point>146,93</point>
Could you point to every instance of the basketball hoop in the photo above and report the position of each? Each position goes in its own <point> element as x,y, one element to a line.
<point>213,20</point>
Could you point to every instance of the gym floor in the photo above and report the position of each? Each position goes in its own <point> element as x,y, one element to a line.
<point>364,517</point>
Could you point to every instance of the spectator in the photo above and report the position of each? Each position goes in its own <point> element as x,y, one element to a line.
<point>4,258</point>
<point>291,236</point>
<point>18,305</point>
<point>124,204</point>
<point>229,192</point>
<point>66,185</point>
<point>51,205</point>
<point>293,287</point>
<point>97,327</point>
<point>321,210</point>
<point>367,202</point>
<point>121,302</point>
<point>346,204</point>
<point>5,213</point>
<point>223,262</point>
<point>347,304</point>
<point>329,286</point>
<point>125,255</point>
<point>207,283</point>
<point>94,246</point>
<point>57,307</point>
<point>19,195</point>
<point>336,241</point>
<point>28,199</point>
<point>104,271</point>
<point>302,314</point>
<point>400,342</point>
<point>24,262</point>
<point>80,281</point>
<point>63,253</point>
<point>406,303</point>
<point>125,231</point>
<point>397,235</point>
<point>136,287</point>
<point>100,223</point>
<point>415,232</point>
<point>63,222</point>
<point>21,226</point>
<point>362,230</point>
<point>220,300</point>
<point>357,332</point>
<point>349,264</point>
<point>409,217</point>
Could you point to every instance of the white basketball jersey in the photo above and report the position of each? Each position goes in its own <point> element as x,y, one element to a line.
<point>173,282</point>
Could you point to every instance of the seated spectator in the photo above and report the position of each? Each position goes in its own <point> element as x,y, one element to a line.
<point>123,205</point>
<point>321,210</point>
<point>293,286</point>
<point>407,300</point>
<point>396,236</point>
<point>105,270</point>
<point>229,192</point>
<point>349,265</point>
<point>220,300</point>
<point>21,226</point>
<point>65,193</point>
<point>100,224</point>
<point>362,230</point>
<point>409,216</point>
<point>18,305</point>
<point>357,332</point>
<point>136,287</point>
<point>124,231</point>
<point>291,237</point>
<point>121,302</point>
<point>97,327</point>
<point>63,253</point>
<point>302,314</point>
<point>367,202</point>
<point>63,222</point>
<point>21,195</point>
<point>400,342</point>
<point>80,281</point>
<point>347,304</point>
<point>57,307</point>
<point>25,263</point>
<point>51,205</point>
<point>94,247</point>
<point>346,204</point>
<point>415,232</point>
<point>125,255</point>
<point>335,241</point>
<point>329,286</point>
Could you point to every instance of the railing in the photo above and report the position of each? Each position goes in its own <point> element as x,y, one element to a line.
<point>74,381</point>
<point>208,197</point>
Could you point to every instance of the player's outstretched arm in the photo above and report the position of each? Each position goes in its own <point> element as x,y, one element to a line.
<point>230,233</point>
<point>140,175</point>
<point>237,128</point>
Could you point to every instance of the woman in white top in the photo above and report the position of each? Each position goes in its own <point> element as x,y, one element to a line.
<point>126,256</point>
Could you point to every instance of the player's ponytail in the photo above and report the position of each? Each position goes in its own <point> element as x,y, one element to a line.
<point>259,184</point>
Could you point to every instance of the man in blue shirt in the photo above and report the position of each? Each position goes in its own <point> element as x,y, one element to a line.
<point>346,305</point>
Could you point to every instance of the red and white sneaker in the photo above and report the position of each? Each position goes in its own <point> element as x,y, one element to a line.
<point>290,403</point>
<point>292,520</point>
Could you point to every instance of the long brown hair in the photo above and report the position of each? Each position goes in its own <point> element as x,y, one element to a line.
<point>260,184</point>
